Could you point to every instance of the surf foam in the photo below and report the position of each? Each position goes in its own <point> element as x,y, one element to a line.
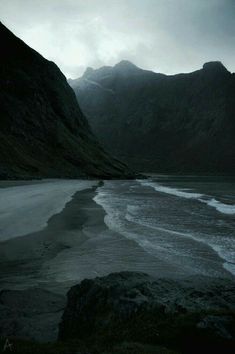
<point>228,209</point>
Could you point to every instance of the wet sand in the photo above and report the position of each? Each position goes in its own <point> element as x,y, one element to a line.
<point>76,244</point>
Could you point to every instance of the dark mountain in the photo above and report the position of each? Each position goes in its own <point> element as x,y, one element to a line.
<point>182,123</point>
<point>43,132</point>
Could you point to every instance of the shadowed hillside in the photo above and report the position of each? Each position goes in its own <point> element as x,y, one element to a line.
<point>182,123</point>
<point>43,132</point>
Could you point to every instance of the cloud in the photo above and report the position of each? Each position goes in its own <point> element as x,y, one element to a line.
<point>167,36</point>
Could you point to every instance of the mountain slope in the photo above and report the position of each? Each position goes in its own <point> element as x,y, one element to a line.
<point>182,123</point>
<point>43,132</point>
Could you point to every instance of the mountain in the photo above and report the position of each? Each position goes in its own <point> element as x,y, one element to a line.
<point>181,123</point>
<point>43,132</point>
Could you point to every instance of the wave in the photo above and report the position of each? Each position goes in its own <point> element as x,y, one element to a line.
<point>228,209</point>
<point>166,244</point>
<point>170,190</point>
<point>222,246</point>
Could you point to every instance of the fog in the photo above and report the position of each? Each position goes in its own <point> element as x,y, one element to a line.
<point>168,36</point>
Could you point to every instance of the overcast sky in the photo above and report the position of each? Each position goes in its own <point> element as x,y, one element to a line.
<point>168,36</point>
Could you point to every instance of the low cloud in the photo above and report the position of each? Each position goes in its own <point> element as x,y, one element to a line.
<point>166,36</point>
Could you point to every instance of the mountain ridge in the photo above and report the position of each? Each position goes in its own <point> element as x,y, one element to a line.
<point>164,123</point>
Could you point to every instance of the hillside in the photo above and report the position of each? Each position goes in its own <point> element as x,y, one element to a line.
<point>43,132</point>
<point>182,123</point>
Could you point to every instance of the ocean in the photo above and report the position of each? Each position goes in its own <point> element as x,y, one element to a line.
<point>187,222</point>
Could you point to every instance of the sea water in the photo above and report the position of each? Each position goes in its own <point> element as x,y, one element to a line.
<point>185,221</point>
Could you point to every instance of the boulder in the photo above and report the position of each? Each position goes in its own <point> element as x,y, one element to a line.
<point>135,307</point>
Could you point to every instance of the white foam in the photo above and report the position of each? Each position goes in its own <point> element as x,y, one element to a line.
<point>228,209</point>
<point>230,267</point>
<point>26,209</point>
<point>223,208</point>
<point>169,190</point>
<point>223,246</point>
<point>115,220</point>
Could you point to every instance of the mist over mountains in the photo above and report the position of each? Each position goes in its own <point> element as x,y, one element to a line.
<point>43,132</point>
<point>182,123</point>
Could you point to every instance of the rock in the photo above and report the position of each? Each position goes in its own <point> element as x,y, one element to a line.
<point>135,307</point>
<point>223,326</point>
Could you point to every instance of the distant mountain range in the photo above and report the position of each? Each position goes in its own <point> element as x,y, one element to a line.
<point>43,132</point>
<point>181,123</point>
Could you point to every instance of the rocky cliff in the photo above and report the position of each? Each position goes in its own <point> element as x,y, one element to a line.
<point>181,123</point>
<point>43,132</point>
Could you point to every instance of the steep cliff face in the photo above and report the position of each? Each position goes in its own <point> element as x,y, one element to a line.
<point>43,132</point>
<point>182,123</point>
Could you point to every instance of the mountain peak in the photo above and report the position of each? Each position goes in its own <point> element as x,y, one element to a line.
<point>125,65</point>
<point>214,66</point>
<point>89,71</point>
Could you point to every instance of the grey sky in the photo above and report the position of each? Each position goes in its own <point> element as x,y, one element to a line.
<point>168,36</point>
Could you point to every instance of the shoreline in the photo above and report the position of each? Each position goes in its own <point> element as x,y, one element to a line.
<point>36,248</point>
<point>38,269</point>
<point>75,244</point>
<point>27,209</point>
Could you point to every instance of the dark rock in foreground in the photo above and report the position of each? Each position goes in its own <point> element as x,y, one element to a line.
<point>43,132</point>
<point>134,307</point>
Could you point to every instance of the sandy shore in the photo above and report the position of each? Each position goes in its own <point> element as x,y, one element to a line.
<point>23,258</point>
<point>76,244</point>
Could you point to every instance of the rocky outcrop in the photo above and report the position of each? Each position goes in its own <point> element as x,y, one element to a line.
<point>43,132</point>
<point>180,123</point>
<point>133,307</point>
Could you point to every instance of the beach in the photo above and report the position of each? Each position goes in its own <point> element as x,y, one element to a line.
<point>55,234</point>
<point>73,245</point>
<point>90,229</point>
